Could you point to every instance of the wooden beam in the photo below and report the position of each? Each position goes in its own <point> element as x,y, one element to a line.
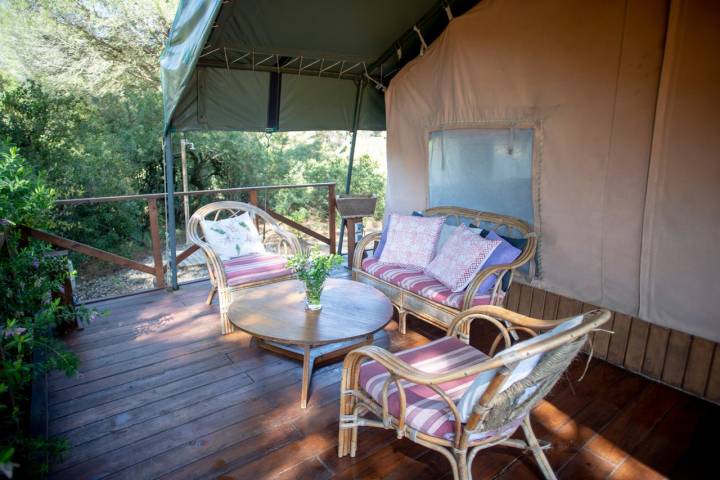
<point>189,251</point>
<point>156,247</point>
<point>184,255</point>
<point>88,250</point>
<point>299,227</point>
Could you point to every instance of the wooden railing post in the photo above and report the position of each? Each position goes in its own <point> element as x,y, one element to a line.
<point>331,217</point>
<point>156,247</point>
<point>254,201</point>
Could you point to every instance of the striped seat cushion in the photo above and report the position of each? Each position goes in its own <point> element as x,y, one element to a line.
<point>426,411</point>
<point>414,280</point>
<point>255,267</point>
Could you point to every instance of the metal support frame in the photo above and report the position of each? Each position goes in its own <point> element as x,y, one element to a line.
<point>170,211</point>
<point>356,120</point>
<point>186,199</point>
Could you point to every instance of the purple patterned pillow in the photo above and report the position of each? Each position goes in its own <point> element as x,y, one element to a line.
<point>411,240</point>
<point>462,256</point>
<point>503,255</point>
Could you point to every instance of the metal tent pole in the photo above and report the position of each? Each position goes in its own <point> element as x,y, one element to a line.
<point>186,198</point>
<point>348,178</point>
<point>170,211</point>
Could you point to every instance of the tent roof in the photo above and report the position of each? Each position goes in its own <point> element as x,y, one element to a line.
<point>289,65</point>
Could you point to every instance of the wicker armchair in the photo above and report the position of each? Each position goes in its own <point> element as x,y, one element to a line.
<point>441,314</point>
<point>223,283</point>
<point>418,396</point>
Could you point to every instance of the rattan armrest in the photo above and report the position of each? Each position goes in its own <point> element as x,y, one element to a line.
<point>490,312</point>
<point>525,256</point>
<point>214,262</point>
<point>360,248</point>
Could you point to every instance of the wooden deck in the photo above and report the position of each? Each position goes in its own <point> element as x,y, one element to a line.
<point>161,394</point>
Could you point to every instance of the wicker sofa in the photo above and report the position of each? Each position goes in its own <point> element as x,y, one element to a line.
<point>441,307</point>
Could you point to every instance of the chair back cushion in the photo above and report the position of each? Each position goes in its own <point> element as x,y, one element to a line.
<point>411,240</point>
<point>461,258</point>
<point>519,369</point>
<point>233,237</point>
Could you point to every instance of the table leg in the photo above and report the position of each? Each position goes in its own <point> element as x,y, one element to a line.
<point>306,376</point>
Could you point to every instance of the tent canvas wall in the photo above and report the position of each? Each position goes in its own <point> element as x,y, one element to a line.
<point>614,90</point>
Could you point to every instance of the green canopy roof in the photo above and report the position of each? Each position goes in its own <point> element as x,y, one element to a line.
<point>291,65</point>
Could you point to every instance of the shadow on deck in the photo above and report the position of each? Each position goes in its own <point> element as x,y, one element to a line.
<point>162,394</point>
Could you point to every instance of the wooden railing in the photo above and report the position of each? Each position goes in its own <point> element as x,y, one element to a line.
<point>158,268</point>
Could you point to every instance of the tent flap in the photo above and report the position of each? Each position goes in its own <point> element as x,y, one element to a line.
<point>191,29</point>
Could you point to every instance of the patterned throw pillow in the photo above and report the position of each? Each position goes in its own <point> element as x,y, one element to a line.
<point>462,256</point>
<point>233,237</point>
<point>411,240</point>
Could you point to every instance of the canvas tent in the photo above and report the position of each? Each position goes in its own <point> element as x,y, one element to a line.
<point>620,96</point>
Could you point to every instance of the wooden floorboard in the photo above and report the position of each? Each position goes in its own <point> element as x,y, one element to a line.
<point>161,394</point>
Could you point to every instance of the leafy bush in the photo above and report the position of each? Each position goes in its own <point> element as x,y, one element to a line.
<point>24,199</point>
<point>28,279</point>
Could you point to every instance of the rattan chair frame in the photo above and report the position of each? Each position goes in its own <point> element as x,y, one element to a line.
<point>496,407</point>
<point>218,278</point>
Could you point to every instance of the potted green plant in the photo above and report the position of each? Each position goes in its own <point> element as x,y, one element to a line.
<point>313,269</point>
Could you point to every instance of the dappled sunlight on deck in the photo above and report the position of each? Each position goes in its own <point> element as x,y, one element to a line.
<point>161,393</point>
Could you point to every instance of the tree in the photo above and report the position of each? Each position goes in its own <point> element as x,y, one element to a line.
<point>100,46</point>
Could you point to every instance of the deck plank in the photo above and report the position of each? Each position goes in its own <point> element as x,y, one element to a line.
<point>162,395</point>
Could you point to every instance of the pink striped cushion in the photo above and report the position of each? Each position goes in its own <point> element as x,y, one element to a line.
<point>414,280</point>
<point>426,411</point>
<point>255,267</point>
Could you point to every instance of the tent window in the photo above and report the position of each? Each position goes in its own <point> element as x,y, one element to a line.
<point>488,169</point>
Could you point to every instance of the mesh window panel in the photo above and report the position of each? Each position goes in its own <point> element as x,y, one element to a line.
<point>488,169</point>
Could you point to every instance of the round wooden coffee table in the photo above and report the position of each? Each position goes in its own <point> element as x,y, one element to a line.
<point>275,315</point>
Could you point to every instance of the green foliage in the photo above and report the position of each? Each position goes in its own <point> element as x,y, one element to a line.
<point>28,278</point>
<point>89,147</point>
<point>231,159</point>
<point>103,45</point>
<point>313,269</point>
<point>24,198</point>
